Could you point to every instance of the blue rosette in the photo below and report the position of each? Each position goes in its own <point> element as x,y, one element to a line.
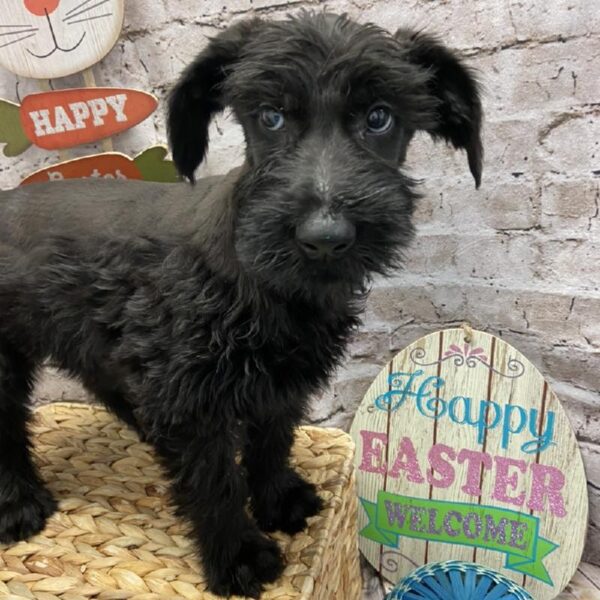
<point>457,580</point>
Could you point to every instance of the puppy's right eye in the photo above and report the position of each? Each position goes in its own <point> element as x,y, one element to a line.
<point>379,120</point>
<point>271,118</point>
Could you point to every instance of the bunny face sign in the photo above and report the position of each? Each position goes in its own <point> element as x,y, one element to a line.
<point>44,39</point>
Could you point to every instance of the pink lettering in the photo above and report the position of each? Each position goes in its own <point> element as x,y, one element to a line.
<point>504,480</point>
<point>441,465</point>
<point>476,462</point>
<point>547,481</point>
<point>406,451</point>
<point>372,455</point>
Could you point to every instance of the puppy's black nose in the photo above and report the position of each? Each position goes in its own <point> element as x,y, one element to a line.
<point>322,236</point>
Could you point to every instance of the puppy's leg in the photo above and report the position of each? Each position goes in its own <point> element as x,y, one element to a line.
<point>281,499</point>
<point>119,407</point>
<point>210,491</point>
<point>116,402</point>
<point>25,503</point>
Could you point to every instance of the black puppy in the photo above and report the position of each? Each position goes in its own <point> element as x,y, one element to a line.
<point>209,335</point>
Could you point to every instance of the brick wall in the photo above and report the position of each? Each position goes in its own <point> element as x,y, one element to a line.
<point>519,258</point>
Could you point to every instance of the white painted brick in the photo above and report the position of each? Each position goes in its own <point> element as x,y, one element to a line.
<point>540,19</point>
<point>53,386</point>
<point>463,23</point>
<point>560,362</point>
<point>472,25</point>
<point>510,204</point>
<point>584,417</point>
<point>146,15</point>
<point>190,10</point>
<point>572,262</point>
<point>498,257</point>
<point>573,203</point>
<point>591,457</point>
<point>585,315</point>
<point>538,78</point>
<point>392,305</point>
<point>570,142</point>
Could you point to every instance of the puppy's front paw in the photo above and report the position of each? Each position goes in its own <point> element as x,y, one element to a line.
<point>23,518</point>
<point>258,561</point>
<point>285,504</point>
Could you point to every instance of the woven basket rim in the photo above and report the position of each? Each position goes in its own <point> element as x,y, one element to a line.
<point>103,432</point>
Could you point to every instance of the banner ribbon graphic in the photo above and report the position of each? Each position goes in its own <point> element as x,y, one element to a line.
<point>502,530</point>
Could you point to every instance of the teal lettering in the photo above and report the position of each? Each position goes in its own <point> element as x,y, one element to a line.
<point>484,423</point>
<point>434,408</point>
<point>508,427</point>
<point>545,439</point>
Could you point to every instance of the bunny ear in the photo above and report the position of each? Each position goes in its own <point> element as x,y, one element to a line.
<point>459,112</point>
<point>197,96</point>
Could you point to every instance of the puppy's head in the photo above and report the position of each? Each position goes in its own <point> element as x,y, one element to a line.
<point>328,108</point>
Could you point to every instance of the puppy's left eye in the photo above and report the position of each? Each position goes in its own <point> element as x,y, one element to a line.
<point>379,120</point>
<point>271,118</point>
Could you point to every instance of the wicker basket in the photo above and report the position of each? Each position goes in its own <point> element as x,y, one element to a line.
<point>116,538</point>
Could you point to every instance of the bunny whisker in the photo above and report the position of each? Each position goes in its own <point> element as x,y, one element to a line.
<point>21,31</point>
<point>80,5</point>
<point>19,27</point>
<point>26,37</point>
<point>85,10</point>
<point>90,18</point>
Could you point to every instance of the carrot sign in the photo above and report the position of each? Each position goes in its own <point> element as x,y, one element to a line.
<point>103,166</point>
<point>67,118</point>
<point>150,165</point>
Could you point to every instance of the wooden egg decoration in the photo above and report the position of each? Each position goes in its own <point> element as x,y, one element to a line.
<point>44,39</point>
<point>464,453</point>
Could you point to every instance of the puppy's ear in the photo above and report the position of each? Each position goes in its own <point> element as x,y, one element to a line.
<point>459,110</point>
<point>197,96</point>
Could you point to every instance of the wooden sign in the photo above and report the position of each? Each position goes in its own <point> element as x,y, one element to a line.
<point>11,129</point>
<point>45,39</point>
<point>465,453</point>
<point>68,118</point>
<point>150,165</point>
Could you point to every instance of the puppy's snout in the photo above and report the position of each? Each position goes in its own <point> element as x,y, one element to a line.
<point>325,236</point>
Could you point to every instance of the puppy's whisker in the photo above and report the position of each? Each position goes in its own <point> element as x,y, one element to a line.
<point>262,258</point>
<point>85,10</point>
<point>277,258</point>
<point>18,27</point>
<point>26,37</point>
<point>90,19</point>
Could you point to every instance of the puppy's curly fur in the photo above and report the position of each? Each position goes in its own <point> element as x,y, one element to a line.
<point>210,344</point>
<point>184,356</point>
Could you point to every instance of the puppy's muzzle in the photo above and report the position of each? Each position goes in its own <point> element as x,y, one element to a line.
<point>323,236</point>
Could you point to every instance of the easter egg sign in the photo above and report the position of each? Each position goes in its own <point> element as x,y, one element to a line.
<point>464,453</point>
